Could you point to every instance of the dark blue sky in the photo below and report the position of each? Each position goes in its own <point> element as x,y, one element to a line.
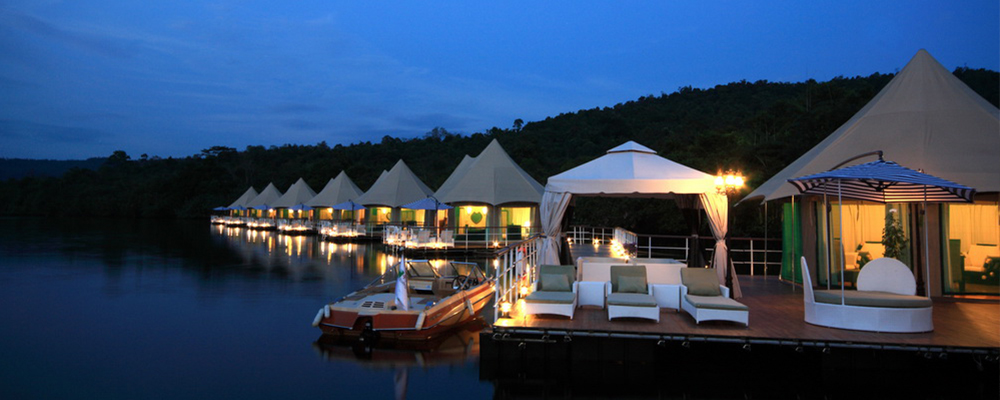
<point>169,78</point>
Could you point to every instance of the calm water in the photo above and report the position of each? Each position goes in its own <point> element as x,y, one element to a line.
<point>151,309</point>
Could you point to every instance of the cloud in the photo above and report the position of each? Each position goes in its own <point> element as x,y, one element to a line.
<point>80,40</point>
<point>26,139</point>
<point>295,108</point>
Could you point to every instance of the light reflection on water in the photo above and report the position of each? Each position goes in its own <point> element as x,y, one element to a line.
<point>175,309</point>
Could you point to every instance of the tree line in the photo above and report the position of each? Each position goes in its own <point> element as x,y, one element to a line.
<point>757,127</point>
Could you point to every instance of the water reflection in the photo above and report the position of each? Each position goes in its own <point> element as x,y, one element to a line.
<point>458,346</point>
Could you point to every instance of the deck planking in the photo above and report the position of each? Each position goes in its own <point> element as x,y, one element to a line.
<point>777,313</point>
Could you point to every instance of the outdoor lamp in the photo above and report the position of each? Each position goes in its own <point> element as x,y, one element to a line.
<point>729,183</point>
<point>505,309</point>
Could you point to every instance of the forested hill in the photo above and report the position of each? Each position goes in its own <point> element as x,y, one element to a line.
<point>17,168</point>
<point>758,127</point>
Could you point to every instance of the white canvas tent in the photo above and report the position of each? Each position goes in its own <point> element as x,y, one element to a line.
<point>266,198</point>
<point>925,118</point>
<point>298,193</point>
<point>336,191</point>
<point>395,188</point>
<point>244,200</point>
<point>455,176</point>
<point>492,178</point>
<point>633,170</point>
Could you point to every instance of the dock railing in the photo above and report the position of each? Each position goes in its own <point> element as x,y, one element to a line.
<point>751,256</point>
<point>460,238</point>
<point>515,266</point>
<point>590,234</point>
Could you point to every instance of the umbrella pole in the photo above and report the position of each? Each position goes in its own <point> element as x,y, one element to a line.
<point>927,255</point>
<point>840,202</point>
<point>829,241</point>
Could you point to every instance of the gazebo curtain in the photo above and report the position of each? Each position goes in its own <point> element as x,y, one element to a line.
<point>554,205</point>
<point>717,208</point>
<point>552,209</point>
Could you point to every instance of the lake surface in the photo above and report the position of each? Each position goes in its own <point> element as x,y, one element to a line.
<point>182,309</point>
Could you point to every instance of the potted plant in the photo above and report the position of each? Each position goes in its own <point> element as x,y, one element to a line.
<point>893,238</point>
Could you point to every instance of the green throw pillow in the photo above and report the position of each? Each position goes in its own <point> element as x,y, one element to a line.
<point>554,283</point>
<point>701,281</point>
<point>632,284</point>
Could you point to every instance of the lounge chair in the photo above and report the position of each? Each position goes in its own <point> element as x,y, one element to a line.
<point>884,301</point>
<point>554,292</point>
<point>630,295</point>
<point>706,300</point>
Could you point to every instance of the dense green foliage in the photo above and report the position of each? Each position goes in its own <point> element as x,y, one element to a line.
<point>756,127</point>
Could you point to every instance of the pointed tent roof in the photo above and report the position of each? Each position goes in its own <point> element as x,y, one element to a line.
<point>631,169</point>
<point>926,119</point>
<point>336,191</point>
<point>247,196</point>
<point>455,176</point>
<point>395,188</point>
<point>267,197</point>
<point>494,178</point>
<point>298,193</point>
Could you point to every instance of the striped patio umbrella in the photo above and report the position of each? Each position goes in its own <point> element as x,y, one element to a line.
<point>884,182</point>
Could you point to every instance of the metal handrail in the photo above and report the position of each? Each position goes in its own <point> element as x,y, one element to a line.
<point>515,265</point>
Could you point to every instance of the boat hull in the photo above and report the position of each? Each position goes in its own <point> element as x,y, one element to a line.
<point>422,324</point>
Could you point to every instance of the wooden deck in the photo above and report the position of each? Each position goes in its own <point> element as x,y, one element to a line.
<point>776,317</point>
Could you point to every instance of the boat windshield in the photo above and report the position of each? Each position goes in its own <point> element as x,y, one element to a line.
<point>421,269</point>
<point>467,269</point>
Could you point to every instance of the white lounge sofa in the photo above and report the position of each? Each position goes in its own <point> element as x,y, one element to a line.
<point>554,292</point>
<point>884,302</point>
<point>629,295</point>
<point>705,300</point>
<point>663,274</point>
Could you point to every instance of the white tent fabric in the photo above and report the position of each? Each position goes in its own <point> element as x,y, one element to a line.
<point>395,188</point>
<point>633,170</point>
<point>493,178</point>
<point>336,191</point>
<point>716,206</point>
<point>266,198</point>
<point>298,193</point>
<point>244,200</point>
<point>455,176</point>
<point>925,118</point>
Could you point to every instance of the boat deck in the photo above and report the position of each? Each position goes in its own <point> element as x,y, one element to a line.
<point>776,317</point>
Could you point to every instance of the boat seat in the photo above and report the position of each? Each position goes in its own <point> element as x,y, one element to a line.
<point>442,287</point>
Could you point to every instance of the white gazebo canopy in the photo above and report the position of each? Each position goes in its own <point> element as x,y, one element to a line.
<point>633,170</point>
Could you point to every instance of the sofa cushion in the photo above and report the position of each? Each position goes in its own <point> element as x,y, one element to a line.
<point>715,303</point>
<point>632,284</point>
<point>554,283</point>
<point>872,299</point>
<point>618,271</point>
<point>568,270</point>
<point>701,281</point>
<point>631,300</point>
<point>551,298</point>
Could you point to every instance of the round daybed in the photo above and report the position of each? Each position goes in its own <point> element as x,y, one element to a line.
<point>885,301</point>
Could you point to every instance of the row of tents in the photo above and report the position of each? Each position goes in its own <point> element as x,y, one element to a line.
<point>491,178</point>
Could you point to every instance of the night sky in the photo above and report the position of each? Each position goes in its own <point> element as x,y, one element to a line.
<point>170,78</point>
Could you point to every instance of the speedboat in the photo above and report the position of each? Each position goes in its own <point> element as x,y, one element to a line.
<point>414,300</point>
<point>456,346</point>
